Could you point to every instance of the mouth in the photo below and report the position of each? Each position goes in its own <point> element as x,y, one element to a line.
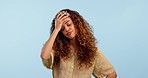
<point>69,33</point>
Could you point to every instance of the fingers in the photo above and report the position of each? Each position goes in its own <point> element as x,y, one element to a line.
<point>60,19</point>
<point>60,15</point>
<point>63,17</point>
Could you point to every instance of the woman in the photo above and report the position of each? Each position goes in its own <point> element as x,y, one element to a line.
<point>71,50</point>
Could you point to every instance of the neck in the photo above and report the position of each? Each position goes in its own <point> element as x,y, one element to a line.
<point>73,42</point>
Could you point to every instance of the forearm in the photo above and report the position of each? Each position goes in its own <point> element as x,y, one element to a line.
<point>46,50</point>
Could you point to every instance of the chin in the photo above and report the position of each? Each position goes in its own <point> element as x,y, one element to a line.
<point>72,37</point>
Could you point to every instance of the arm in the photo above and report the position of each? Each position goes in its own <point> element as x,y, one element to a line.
<point>112,75</point>
<point>47,48</point>
<point>103,68</point>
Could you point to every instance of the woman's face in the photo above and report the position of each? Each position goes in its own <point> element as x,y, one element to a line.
<point>68,28</point>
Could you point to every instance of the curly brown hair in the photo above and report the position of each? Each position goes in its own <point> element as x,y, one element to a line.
<point>85,41</point>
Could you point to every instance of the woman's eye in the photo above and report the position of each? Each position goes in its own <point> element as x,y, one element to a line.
<point>68,24</point>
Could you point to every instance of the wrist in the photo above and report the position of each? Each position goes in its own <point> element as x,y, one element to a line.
<point>56,31</point>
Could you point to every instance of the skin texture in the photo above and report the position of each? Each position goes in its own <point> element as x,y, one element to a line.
<point>68,28</point>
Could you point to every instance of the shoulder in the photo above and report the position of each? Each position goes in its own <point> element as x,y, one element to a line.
<point>98,53</point>
<point>99,56</point>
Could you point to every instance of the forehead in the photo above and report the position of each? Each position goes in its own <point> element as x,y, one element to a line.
<point>68,19</point>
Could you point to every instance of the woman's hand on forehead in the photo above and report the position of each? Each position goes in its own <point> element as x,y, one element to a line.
<point>60,19</point>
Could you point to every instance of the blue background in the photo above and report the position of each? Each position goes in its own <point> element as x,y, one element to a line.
<point>120,26</point>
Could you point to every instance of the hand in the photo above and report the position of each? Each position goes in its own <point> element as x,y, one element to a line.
<point>60,19</point>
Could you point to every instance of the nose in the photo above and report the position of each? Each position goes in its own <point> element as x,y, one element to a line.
<point>66,28</point>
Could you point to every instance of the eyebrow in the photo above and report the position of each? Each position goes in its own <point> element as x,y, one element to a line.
<point>67,21</point>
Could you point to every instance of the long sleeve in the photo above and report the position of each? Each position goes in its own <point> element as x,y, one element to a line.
<point>48,63</point>
<point>102,66</point>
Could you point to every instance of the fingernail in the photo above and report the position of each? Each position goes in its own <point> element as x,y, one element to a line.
<point>67,14</point>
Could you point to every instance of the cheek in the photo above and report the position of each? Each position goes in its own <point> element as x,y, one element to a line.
<point>63,33</point>
<point>75,30</point>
